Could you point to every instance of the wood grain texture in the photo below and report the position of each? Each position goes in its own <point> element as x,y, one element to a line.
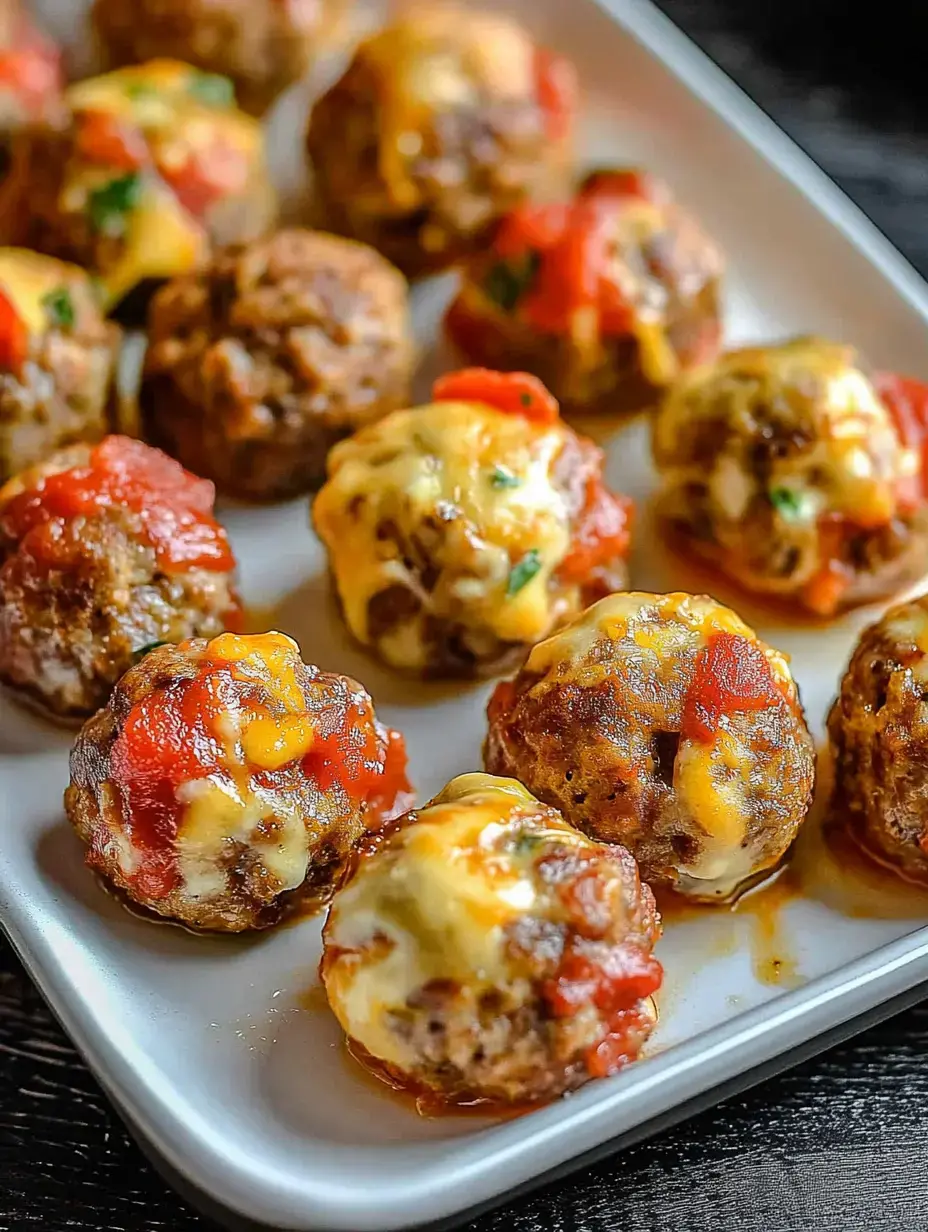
<point>837,1145</point>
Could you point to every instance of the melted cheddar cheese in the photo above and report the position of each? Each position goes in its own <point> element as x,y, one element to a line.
<point>27,278</point>
<point>473,485</point>
<point>434,904</point>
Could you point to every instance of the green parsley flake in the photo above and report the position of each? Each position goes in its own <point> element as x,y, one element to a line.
<point>212,89</point>
<point>138,91</point>
<point>59,308</point>
<point>791,505</point>
<point>143,650</point>
<point>523,571</point>
<point>502,477</point>
<point>109,204</point>
<point>507,281</point>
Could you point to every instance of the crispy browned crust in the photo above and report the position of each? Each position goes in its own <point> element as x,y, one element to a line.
<point>260,363</point>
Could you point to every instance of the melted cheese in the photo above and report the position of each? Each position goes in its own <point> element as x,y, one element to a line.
<point>435,466</point>
<point>27,277</point>
<point>433,904</point>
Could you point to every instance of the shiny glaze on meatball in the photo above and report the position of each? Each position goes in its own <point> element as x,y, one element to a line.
<point>878,730</point>
<point>225,781</point>
<point>489,951</point>
<point>441,123</point>
<point>461,532</point>
<point>662,722</point>
<point>797,473</point>
<point>260,362</point>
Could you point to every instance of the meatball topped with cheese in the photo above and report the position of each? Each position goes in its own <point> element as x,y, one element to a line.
<point>57,359</point>
<point>462,532</point>
<point>442,122</point>
<point>262,46</point>
<point>225,781</point>
<point>489,951</point>
<point>104,550</point>
<point>797,473</point>
<point>878,731</point>
<point>260,362</point>
<point>606,298</point>
<point>31,80</point>
<point>662,722</point>
<point>154,166</point>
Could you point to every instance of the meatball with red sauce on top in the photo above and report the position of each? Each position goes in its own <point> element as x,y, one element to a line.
<point>226,782</point>
<point>104,550</point>
<point>488,951</point>
<point>462,532</point>
<point>442,122</point>
<point>664,723</point>
<point>607,298</point>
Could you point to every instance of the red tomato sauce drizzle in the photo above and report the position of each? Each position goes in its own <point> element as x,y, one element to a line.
<point>513,393</point>
<point>174,507</point>
<point>602,534</point>
<point>170,737</point>
<point>732,674</point>
<point>556,88</point>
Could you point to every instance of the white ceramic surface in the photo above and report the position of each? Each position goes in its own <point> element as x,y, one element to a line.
<point>210,1045</point>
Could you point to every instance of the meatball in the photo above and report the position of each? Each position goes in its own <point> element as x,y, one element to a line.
<point>154,165</point>
<point>57,359</point>
<point>263,46</point>
<point>489,951</point>
<point>878,733</point>
<point>225,782</point>
<point>31,81</point>
<point>258,364</point>
<point>796,473</point>
<point>462,532</point>
<point>606,298</point>
<point>104,550</point>
<point>441,123</point>
<point>662,722</point>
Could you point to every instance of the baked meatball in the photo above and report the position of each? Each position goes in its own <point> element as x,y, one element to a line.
<point>796,473</point>
<point>225,781</point>
<point>262,46</point>
<point>258,364</point>
<point>104,550</point>
<point>662,722</point>
<point>57,359</point>
<point>490,952</point>
<point>462,532</point>
<point>606,298</point>
<point>441,123</point>
<point>31,81</point>
<point>154,165</point>
<point>878,731</point>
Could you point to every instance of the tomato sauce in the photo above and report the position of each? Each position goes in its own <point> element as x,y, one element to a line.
<point>174,507</point>
<point>514,393</point>
<point>556,89</point>
<point>14,337</point>
<point>732,674</point>
<point>106,139</point>
<point>602,534</point>
<point>207,175</point>
<point>907,402</point>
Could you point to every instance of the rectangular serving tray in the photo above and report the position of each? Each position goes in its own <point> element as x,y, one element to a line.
<point>217,1051</point>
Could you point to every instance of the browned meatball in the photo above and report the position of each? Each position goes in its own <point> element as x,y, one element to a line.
<point>57,359</point>
<point>225,781</point>
<point>263,46</point>
<point>105,550</point>
<point>261,362</point>
<point>662,722</point>
<point>441,123</point>
<point>489,951</point>
<point>878,729</point>
<point>607,297</point>
<point>31,80</point>
<point>154,166</point>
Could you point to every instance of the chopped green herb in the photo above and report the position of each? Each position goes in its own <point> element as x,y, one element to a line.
<point>140,90</point>
<point>109,204</point>
<point>523,571</point>
<point>212,89</point>
<point>143,650</point>
<point>502,477</point>
<point>59,308</point>
<point>527,841</point>
<point>506,281</point>
<point>789,504</point>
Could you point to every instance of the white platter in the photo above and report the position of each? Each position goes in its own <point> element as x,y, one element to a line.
<point>210,1047</point>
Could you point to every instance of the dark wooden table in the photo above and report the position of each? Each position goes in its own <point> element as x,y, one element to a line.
<point>839,1144</point>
